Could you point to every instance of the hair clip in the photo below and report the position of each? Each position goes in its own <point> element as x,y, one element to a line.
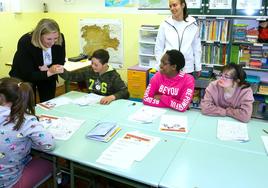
<point>19,84</point>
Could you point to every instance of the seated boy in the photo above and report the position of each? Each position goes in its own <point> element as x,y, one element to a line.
<point>100,78</point>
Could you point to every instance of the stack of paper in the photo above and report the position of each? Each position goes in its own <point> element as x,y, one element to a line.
<point>147,114</point>
<point>47,105</point>
<point>134,146</point>
<point>89,99</point>
<point>103,131</point>
<point>231,130</point>
<point>62,128</point>
<point>173,123</point>
<point>73,66</point>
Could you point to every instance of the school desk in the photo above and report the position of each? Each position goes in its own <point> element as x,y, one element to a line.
<point>205,130</point>
<point>206,165</point>
<point>83,153</point>
<point>195,159</point>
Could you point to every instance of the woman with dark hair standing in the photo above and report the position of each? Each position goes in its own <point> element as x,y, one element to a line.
<point>180,32</point>
<point>39,58</point>
<point>170,87</point>
<point>230,95</point>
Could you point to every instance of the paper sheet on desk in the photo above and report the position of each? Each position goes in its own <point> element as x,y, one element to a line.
<point>62,128</point>
<point>143,143</point>
<point>173,123</point>
<point>58,101</point>
<point>146,114</point>
<point>231,130</point>
<point>134,146</point>
<point>89,99</point>
<point>265,142</point>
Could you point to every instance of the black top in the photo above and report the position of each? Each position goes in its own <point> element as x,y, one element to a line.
<point>28,58</point>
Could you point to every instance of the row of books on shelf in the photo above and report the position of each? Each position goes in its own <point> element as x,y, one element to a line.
<point>214,30</point>
<point>254,56</point>
<point>214,54</point>
<point>244,33</point>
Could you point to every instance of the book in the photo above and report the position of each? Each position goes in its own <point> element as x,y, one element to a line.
<point>103,131</point>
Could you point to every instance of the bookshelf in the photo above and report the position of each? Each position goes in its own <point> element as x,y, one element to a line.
<point>254,8</point>
<point>220,7</point>
<point>212,7</point>
<point>147,39</point>
<point>215,37</point>
<point>229,33</point>
<point>242,47</point>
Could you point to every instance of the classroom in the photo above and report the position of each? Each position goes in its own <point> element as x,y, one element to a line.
<point>185,103</point>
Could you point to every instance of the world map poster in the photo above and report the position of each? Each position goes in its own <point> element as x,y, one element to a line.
<point>103,34</point>
<point>153,3</point>
<point>121,3</point>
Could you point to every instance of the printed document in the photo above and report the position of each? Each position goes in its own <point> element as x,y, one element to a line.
<point>62,128</point>
<point>88,99</point>
<point>173,123</point>
<point>134,146</point>
<point>147,114</point>
<point>231,130</point>
<point>58,101</point>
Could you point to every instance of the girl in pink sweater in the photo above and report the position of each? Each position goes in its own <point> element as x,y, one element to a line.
<point>170,87</point>
<point>229,95</point>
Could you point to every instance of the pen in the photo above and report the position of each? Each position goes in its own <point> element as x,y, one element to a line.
<point>132,104</point>
<point>265,131</point>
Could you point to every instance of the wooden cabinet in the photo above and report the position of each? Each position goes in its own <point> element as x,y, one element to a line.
<point>137,81</point>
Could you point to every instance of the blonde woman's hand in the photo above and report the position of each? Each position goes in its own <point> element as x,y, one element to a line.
<point>55,69</point>
<point>43,68</point>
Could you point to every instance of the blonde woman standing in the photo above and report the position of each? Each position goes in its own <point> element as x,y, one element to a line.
<point>39,58</point>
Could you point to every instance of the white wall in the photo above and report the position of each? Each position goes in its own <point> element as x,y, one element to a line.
<point>81,6</point>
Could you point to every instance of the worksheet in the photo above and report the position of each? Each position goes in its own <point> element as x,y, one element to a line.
<point>232,130</point>
<point>174,123</point>
<point>62,128</point>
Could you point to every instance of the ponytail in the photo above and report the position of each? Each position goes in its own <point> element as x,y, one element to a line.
<point>20,94</point>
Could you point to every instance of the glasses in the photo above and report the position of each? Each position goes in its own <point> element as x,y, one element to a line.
<point>224,77</point>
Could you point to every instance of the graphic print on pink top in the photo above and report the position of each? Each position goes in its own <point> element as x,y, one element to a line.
<point>176,92</point>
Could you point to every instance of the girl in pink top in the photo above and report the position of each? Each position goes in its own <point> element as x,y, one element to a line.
<point>229,95</point>
<point>170,87</point>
